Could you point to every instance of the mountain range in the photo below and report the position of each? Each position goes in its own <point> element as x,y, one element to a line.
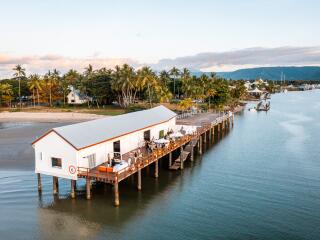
<point>274,73</point>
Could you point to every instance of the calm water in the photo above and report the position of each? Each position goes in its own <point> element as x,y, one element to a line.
<point>261,181</point>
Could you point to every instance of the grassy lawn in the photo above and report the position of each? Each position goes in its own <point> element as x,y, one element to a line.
<point>107,110</point>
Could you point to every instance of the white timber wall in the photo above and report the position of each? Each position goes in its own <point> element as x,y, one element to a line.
<point>128,143</point>
<point>72,96</point>
<point>51,146</point>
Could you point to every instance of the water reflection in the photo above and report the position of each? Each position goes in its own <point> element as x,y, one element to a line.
<point>80,218</point>
<point>250,185</point>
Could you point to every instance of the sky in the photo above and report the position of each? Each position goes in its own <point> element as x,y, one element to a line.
<point>207,35</point>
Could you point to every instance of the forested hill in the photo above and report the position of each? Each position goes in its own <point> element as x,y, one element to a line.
<point>274,73</point>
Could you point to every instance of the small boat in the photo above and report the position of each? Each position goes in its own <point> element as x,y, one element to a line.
<point>263,106</point>
<point>268,96</point>
<point>252,109</point>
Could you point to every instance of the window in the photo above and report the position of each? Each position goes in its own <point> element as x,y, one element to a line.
<point>56,162</point>
<point>40,156</point>
<point>161,134</point>
<point>72,100</point>
<point>91,160</point>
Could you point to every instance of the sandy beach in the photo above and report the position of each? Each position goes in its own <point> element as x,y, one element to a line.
<point>53,117</point>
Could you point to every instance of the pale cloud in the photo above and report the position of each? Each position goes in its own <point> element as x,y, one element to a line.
<point>41,64</point>
<point>210,61</point>
<point>245,58</point>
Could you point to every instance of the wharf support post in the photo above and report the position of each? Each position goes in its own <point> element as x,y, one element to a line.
<point>116,194</point>
<point>88,188</point>
<point>73,188</point>
<point>192,154</point>
<point>39,182</point>
<point>181,158</point>
<point>55,185</point>
<point>139,180</point>
<point>156,169</point>
<point>170,159</point>
<point>213,134</point>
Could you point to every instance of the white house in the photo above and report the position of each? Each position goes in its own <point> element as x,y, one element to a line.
<point>60,151</point>
<point>76,97</point>
<point>248,85</point>
<point>256,92</point>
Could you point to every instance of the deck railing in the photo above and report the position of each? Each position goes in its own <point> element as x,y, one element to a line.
<point>148,158</point>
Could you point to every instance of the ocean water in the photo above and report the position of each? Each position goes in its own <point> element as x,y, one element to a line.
<point>261,180</point>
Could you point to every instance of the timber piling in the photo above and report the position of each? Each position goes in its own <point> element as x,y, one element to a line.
<point>185,145</point>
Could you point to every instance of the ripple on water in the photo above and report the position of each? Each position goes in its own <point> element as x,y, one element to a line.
<point>259,182</point>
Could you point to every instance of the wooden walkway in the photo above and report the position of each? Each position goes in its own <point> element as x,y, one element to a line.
<point>177,163</point>
<point>207,124</point>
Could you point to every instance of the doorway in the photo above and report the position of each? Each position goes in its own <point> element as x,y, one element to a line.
<point>116,150</point>
<point>147,135</point>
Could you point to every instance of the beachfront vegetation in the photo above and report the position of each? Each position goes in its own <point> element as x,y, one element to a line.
<point>123,86</point>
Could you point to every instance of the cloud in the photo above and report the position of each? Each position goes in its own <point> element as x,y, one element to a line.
<point>41,64</point>
<point>210,61</point>
<point>244,58</point>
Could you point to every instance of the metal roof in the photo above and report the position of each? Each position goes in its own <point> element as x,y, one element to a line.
<point>85,134</point>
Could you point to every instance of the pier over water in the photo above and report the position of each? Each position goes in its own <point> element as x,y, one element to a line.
<point>177,151</point>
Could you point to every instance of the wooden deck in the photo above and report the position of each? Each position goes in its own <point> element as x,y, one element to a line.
<point>139,163</point>
<point>205,121</point>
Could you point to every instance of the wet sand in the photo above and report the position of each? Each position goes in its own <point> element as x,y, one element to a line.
<point>47,117</point>
<point>16,151</point>
<point>19,129</point>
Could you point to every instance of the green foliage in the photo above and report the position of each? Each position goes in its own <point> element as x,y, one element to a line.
<point>126,86</point>
<point>239,90</point>
<point>186,103</point>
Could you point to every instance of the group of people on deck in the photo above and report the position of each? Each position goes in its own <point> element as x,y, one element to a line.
<point>167,139</point>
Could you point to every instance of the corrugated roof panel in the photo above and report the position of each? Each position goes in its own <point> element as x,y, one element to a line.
<point>88,133</point>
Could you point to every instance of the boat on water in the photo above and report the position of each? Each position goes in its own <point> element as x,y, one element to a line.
<point>252,109</point>
<point>263,106</point>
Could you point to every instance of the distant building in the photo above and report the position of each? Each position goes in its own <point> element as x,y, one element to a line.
<point>260,81</point>
<point>305,87</point>
<point>248,85</point>
<point>255,92</point>
<point>76,97</point>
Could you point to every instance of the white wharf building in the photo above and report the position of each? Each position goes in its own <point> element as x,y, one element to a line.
<point>62,150</point>
<point>113,148</point>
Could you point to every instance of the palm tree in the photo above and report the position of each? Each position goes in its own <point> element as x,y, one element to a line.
<point>124,84</point>
<point>48,85</point>
<point>149,79</point>
<point>186,82</point>
<point>174,72</point>
<point>204,81</point>
<point>72,76</point>
<point>88,70</point>
<point>34,84</point>
<point>63,83</point>
<point>69,79</point>
<point>53,82</point>
<point>211,93</point>
<point>5,90</point>
<point>163,93</point>
<point>20,72</point>
<point>164,78</point>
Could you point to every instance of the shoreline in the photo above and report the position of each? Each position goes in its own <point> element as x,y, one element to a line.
<point>47,117</point>
<point>59,117</point>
